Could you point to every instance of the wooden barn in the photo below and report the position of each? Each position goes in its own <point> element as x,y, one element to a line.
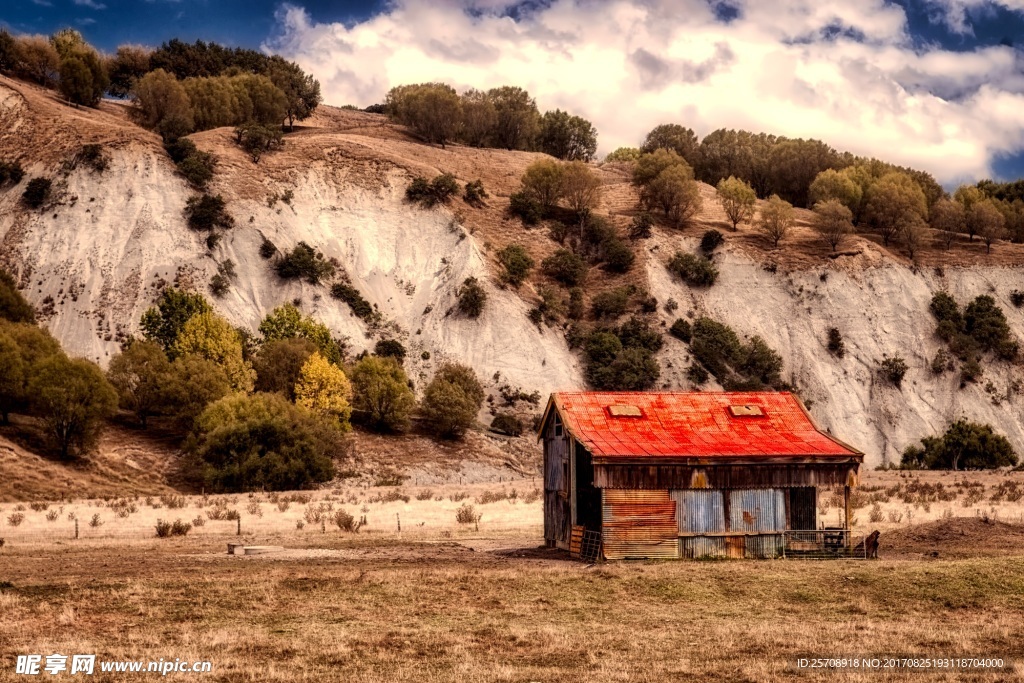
<point>690,475</point>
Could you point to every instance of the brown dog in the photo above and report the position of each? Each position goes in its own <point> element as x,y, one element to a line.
<point>869,546</point>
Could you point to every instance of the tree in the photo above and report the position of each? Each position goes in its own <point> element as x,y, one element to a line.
<point>37,191</point>
<point>244,443</point>
<point>542,182</point>
<point>37,60</point>
<point>833,184</point>
<point>514,259</point>
<point>965,445</point>
<point>72,398</point>
<point>432,110</point>
<point>581,188</point>
<point>567,137</point>
<point>287,322</point>
<point>211,337</point>
<point>650,165</point>
<point>161,104</point>
<point>390,348</point>
<point>950,219</point>
<point>140,374</point>
<point>675,192</point>
<point>472,297</point>
<point>738,199</point>
<point>278,365</point>
<point>794,164</point>
<point>76,81</point>
<point>452,400</point>
<point>13,306</point>
<point>324,389</point>
<point>8,51</point>
<point>301,90</point>
<point>257,139</point>
<point>517,117</point>
<point>892,202</point>
<point>163,322</point>
<point>129,63</point>
<point>776,219</point>
<point>725,153</point>
<point>566,267</point>
<point>192,384</point>
<point>381,399</point>
<point>672,136</point>
<point>304,262</point>
<point>833,221</point>
<point>914,234</point>
<point>479,118</point>
<point>623,155</point>
<point>987,222</point>
<point>13,377</point>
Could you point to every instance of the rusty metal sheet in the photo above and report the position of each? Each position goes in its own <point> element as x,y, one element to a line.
<point>702,547</point>
<point>639,524</point>
<point>757,510</point>
<point>699,511</point>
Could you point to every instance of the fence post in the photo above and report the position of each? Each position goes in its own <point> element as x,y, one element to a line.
<point>398,520</point>
<point>76,528</point>
<point>323,525</point>
<point>239,531</point>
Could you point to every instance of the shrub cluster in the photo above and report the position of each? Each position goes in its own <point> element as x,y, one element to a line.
<point>738,366</point>
<point>507,423</point>
<point>475,194</point>
<point>516,263</point>
<point>359,306</point>
<point>472,297</point>
<point>37,191</point>
<point>893,369</point>
<point>428,193</point>
<point>681,330</point>
<point>306,263</point>
<point>11,172</point>
<point>965,445</point>
<point>208,212</point>
<point>195,166</point>
<point>566,267</point>
<point>979,328</point>
<point>622,358</point>
<point>695,271</point>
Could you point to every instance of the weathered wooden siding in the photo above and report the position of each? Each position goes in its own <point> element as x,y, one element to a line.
<point>556,485</point>
<point>662,477</point>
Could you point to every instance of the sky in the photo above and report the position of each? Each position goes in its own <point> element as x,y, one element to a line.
<point>933,84</point>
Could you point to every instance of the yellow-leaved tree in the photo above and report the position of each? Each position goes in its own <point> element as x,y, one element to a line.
<point>323,388</point>
<point>210,336</point>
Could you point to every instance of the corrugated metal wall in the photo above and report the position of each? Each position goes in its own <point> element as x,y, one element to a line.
<point>760,510</point>
<point>639,524</point>
<point>699,511</point>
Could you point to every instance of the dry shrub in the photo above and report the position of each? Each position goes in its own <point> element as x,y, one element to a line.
<point>173,502</point>
<point>875,515</point>
<point>96,522</point>
<point>52,516</point>
<point>254,509</point>
<point>425,494</point>
<point>389,497</point>
<point>345,521</point>
<point>532,497</point>
<point>466,514</point>
<point>198,521</point>
<point>16,518</point>
<point>283,505</point>
<point>39,507</point>
<point>458,496</point>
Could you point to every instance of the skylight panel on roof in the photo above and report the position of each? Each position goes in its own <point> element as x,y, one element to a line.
<point>746,411</point>
<point>624,411</point>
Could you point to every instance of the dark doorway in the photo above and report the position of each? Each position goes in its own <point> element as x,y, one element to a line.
<point>588,498</point>
<point>803,508</point>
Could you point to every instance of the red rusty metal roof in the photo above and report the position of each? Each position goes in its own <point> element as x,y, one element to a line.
<point>695,425</point>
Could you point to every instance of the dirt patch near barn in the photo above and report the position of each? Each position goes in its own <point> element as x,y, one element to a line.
<point>956,538</point>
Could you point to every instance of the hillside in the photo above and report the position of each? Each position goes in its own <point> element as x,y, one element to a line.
<point>95,260</point>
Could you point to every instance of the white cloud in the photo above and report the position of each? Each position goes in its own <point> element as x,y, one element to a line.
<point>846,73</point>
<point>91,4</point>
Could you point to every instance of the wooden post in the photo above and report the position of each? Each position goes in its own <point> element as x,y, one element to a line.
<point>238,532</point>
<point>76,528</point>
<point>846,503</point>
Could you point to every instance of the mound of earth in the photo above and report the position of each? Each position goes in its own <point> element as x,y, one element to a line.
<point>954,538</point>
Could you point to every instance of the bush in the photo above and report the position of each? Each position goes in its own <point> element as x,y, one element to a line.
<point>197,169</point>
<point>345,521</point>
<point>359,306</point>
<point>576,307</point>
<point>637,333</point>
<point>1017,298</point>
<point>304,262</point>
<point>73,399</point>
<point>710,240</point>
<point>390,348</point>
<point>92,155</point>
<point>527,209</point>
<point>611,303</point>
<point>13,306</point>
<point>507,423</point>
<point>697,374</point>
<point>985,322</point>
<point>475,193</point>
<point>451,401</point>
<point>566,267</point>
<point>381,397</point>
<point>964,445</point>
<point>163,529</point>
<point>613,365</point>
<point>206,212</point>
<point>836,346</point>
<point>429,193</point>
<point>941,362</point>
<point>267,249</point>
<point>893,369</point>
<point>257,139</point>
<point>695,271</point>
<point>36,192</point>
<point>180,528</point>
<point>517,264</point>
<point>681,330</point>
<point>472,297</point>
<point>736,365</point>
<point>618,256</point>
<point>466,514</point>
<point>10,172</point>
<point>641,226</point>
<point>246,443</point>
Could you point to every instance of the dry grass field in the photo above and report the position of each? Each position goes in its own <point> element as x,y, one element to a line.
<point>443,601</point>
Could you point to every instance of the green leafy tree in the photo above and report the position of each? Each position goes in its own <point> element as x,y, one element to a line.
<point>794,164</point>
<point>163,322</point>
<point>833,184</point>
<point>776,219</point>
<point>245,443</point>
<point>965,445</point>
<point>674,192</point>
<point>672,136</point>
<point>287,322</point>
<point>452,400</point>
<point>13,306</point>
<point>833,221</point>
<point>140,374</point>
<point>623,155</point>
<point>257,139</point>
<point>38,61</point>
<point>324,389</point>
<point>567,137</point>
<point>192,384</point>
<point>381,397</point>
<point>72,398</point>
<point>161,104</point>
<point>76,81</point>
<point>128,64</point>
<point>949,219</point>
<point>566,267</point>
<point>986,221</point>
<point>432,110</point>
<point>301,90</point>
<point>479,118</point>
<point>892,203</point>
<point>213,338</point>
<point>542,183</point>
<point>517,117</point>
<point>13,377</point>
<point>581,188</point>
<point>279,363</point>
<point>738,200</point>
<point>24,346</point>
